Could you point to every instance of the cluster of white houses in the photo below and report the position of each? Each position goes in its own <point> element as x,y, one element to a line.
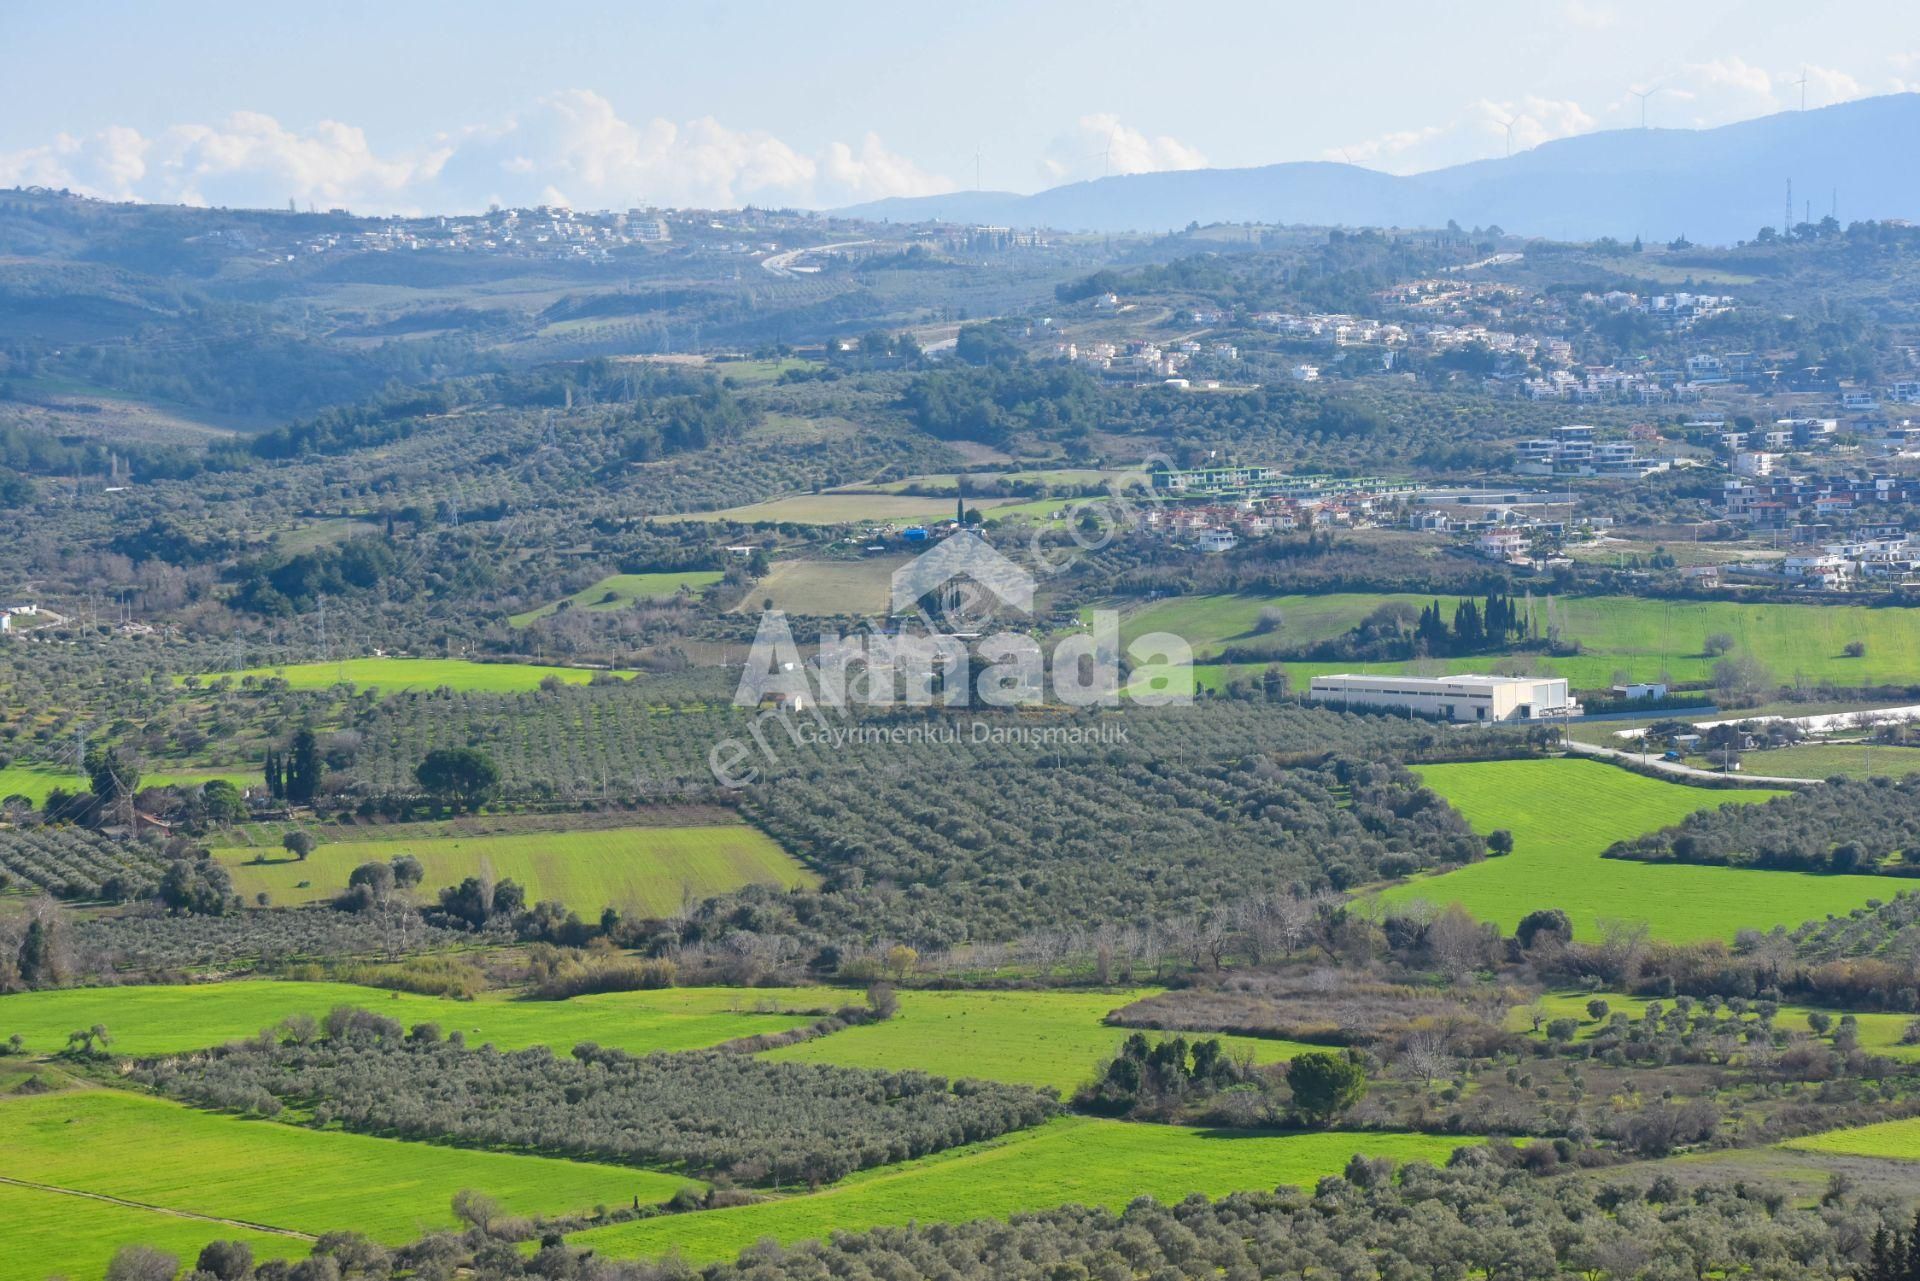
<point>1573,451</point>
<point>1466,698</point>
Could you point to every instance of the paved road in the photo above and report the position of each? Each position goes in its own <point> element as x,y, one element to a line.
<point>1679,770</point>
<point>781,264</point>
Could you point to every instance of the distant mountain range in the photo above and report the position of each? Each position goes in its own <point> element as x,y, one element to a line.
<point>1714,186</point>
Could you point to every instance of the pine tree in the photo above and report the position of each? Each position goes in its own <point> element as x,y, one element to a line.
<point>1467,631</point>
<point>304,768</point>
<point>36,952</point>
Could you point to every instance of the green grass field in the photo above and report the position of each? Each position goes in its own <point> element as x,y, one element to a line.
<point>1119,478</point>
<point>1563,813</point>
<point>1074,1160</point>
<point>164,1155</point>
<point>1644,638</point>
<point>393,675</point>
<point>1825,760</point>
<point>1052,1039</point>
<point>171,1019</point>
<point>825,587</point>
<point>840,509</point>
<point>57,1234</point>
<point>618,591</point>
<point>754,372</point>
<point>648,869</point>
<point>1899,1140</point>
<point>35,781</point>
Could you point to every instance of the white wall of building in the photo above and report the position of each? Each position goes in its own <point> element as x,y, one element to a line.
<point>1469,699</point>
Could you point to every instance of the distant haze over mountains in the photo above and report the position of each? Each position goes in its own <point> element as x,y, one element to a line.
<point>1714,186</point>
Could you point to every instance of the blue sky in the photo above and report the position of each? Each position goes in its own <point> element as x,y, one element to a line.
<point>411,105</point>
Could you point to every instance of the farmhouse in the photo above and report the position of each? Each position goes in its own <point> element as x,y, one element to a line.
<point>1455,698</point>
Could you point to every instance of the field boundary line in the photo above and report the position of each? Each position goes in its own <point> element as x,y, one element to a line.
<point>157,1209</point>
<point>1673,769</point>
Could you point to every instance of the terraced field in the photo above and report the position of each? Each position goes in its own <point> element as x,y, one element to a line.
<point>1074,1160</point>
<point>1053,1039</point>
<point>393,675</point>
<point>171,1158</point>
<point>171,1019</point>
<point>1564,813</point>
<point>619,591</point>
<point>651,870</point>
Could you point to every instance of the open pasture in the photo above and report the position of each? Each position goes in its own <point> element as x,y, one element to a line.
<point>1074,1160</point>
<point>825,587</point>
<point>1113,478</point>
<point>1564,813</point>
<point>1647,639</point>
<point>164,1155</point>
<point>650,870</point>
<point>396,675</point>
<point>1052,1039</point>
<point>49,1234</point>
<point>146,1021</point>
<point>619,591</point>
<point>1895,1140</point>
<point>35,781</point>
<point>1826,760</point>
<point>839,508</point>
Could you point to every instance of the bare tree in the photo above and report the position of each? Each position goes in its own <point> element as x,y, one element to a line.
<point>1459,944</point>
<point>1215,934</point>
<point>1623,948</point>
<point>1292,917</point>
<point>1426,1058</point>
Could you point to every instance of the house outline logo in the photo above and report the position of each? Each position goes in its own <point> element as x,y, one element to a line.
<point>965,554</point>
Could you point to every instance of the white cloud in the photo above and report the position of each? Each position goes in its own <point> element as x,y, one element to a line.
<point>1696,95</point>
<point>1478,133</point>
<point>1700,95</point>
<point>1099,145</point>
<point>569,147</point>
<point>1387,150</point>
<point>874,172</point>
<point>1532,121</point>
<point>1589,17</point>
<point>109,163</point>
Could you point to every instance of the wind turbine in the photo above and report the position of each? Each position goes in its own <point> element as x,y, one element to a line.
<point>1509,124</point>
<point>1643,95</point>
<point>1802,82</point>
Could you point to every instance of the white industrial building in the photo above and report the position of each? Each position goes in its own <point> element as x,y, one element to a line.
<point>1473,699</point>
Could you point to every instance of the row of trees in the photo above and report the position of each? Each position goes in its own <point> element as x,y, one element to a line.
<point>294,772</point>
<point>1482,1216</point>
<point>1839,826</point>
